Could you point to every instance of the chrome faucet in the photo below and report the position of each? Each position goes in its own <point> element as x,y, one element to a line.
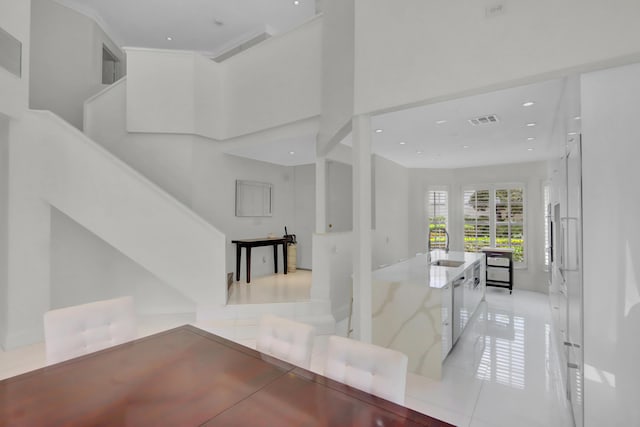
<point>446,248</point>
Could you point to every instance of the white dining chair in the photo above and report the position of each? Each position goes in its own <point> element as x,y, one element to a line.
<point>371,368</point>
<point>286,339</point>
<point>73,331</point>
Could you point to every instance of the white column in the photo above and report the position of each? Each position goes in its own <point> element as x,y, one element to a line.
<point>321,194</point>
<point>362,227</point>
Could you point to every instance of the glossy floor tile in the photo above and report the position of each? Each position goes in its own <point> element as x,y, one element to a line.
<point>503,371</point>
<point>289,287</point>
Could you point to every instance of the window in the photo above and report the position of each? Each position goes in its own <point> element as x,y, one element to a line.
<point>509,230</point>
<point>109,66</point>
<point>477,225</point>
<point>438,214</point>
<point>495,216</point>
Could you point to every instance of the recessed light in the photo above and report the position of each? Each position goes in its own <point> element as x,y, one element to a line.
<point>296,2</point>
<point>465,146</point>
<point>418,152</point>
<point>378,131</point>
<point>532,124</point>
<point>529,149</point>
<point>530,138</point>
<point>169,38</point>
<point>528,104</point>
<point>402,143</point>
<point>292,152</point>
<point>572,133</point>
<point>440,122</point>
<point>577,118</point>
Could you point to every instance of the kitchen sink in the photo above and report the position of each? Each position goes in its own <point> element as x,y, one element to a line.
<point>447,263</point>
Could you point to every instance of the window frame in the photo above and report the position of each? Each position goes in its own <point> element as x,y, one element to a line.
<point>427,205</point>
<point>492,188</point>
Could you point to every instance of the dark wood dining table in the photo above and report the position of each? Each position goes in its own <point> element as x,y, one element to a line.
<point>189,377</point>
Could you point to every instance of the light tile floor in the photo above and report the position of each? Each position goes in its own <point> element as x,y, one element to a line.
<point>503,371</point>
<point>289,287</point>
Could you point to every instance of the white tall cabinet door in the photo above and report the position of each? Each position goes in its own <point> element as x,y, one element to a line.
<point>572,225</point>
<point>611,236</point>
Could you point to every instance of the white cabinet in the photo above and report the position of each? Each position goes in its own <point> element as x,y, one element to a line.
<point>447,320</point>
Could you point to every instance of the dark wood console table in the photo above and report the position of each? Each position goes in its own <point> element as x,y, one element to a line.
<point>252,243</point>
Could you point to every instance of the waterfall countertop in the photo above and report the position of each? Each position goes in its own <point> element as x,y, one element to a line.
<point>414,270</point>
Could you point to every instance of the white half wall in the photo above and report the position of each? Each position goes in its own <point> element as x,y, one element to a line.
<point>66,59</point>
<point>611,244</point>
<point>161,91</point>
<point>15,19</point>
<point>304,202</point>
<point>416,51</point>
<point>391,233</point>
<point>339,196</point>
<point>532,175</point>
<point>333,271</point>
<point>276,82</point>
<point>105,115</point>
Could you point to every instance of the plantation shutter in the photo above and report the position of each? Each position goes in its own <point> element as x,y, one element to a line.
<point>438,214</point>
<point>509,211</point>
<point>477,225</point>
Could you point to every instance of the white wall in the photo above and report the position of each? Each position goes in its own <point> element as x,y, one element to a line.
<point>337,70</point>
<point>161,92</point>
<point>304,208</point>
<point>391,233</point>
<point>66,59</point>
<point>15,19</point>
<point>276,82</point>
<point>611,244</point>
<point>54,164</point>
<point>339,196</point>
<point>105,114</point>
<point>4,224</point>
<point>213,197</point>
<point>417,50</point>
<point>532,175</point>
<point>333,271</point>
<point>85,268</point>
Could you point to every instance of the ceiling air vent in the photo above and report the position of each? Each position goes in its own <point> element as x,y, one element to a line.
<point>491,119</point>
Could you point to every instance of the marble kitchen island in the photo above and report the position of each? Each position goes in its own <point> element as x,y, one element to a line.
<point>422,309</point>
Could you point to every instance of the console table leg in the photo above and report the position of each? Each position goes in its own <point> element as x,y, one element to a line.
<point>248,264</point>
<point>238,255</point>
<point>275,258</point>
<point>286,258</point>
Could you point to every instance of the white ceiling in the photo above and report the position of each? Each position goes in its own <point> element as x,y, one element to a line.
<point>432,145</point>
<point>192,23</point>
<point>300,150</point>
<point>443,145</point>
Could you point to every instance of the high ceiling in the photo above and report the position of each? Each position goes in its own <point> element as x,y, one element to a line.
<point>441,136</point>
<point>431,136</point>
<point>207,26</point>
